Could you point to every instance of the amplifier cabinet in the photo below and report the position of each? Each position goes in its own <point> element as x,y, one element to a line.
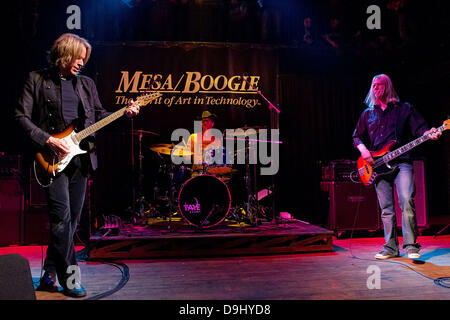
<point>36,226</point>
<point>340,170</point>
<point>10,165</point>
<point>349,201</point>
<point>348,198</point>
<point>36,222</point>
<point>11,211</point>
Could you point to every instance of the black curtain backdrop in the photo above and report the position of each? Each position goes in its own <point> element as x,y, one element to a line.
<point>316,126</point>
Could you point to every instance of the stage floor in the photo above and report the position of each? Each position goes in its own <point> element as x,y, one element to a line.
<point>340,274</point>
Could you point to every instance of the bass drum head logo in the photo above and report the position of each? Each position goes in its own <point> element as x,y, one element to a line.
<point>192,207</point>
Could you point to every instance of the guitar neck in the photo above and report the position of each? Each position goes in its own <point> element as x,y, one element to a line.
<point>398,152</point>
<point>100,124</point>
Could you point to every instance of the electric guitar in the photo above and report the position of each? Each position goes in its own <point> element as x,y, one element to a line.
<point>369,173</point>
<point>49,161</point>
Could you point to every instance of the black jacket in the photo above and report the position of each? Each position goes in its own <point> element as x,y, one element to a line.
<point>39,108</point>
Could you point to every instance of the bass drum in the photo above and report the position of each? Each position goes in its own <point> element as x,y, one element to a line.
<point>204,201</point>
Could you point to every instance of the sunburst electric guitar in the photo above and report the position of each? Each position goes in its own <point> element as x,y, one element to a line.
<point>369,173</point>
<point>50,162</point>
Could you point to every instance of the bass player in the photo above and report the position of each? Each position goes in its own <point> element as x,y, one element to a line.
<point>387,119</point>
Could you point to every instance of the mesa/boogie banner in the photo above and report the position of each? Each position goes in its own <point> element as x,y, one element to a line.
<point>191,82</point>
<point>191,78</point>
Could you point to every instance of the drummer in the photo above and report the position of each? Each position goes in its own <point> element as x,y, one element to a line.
<point>208,142</point>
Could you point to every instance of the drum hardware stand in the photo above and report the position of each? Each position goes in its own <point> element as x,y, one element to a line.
<point>171,194</point>
<point>172,191</point>
<point>133,165</point>
<point>238,216</point>
<point>252,201</point>
<point>274,124</point>
<point>139,204</point>
<point>209,214</point>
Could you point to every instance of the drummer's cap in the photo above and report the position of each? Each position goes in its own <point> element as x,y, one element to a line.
<point>207,114</point>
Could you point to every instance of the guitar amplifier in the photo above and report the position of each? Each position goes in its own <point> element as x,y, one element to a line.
<point>352,206</point>
<point>10,165</point>
<point>11,211</point>
<point>36,224</point>
<point>340,170</point>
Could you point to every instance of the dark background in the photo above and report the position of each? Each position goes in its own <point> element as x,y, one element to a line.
<point>319,88</point>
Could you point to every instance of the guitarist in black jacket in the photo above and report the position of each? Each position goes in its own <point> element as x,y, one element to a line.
<point>387,119</point>
<point>52,99</point>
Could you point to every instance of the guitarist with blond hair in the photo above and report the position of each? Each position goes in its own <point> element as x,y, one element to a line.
<point>386,120</point>
<point>50,101</point>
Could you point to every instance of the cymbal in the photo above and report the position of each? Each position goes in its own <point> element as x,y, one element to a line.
<point>162,148</point>
<point>169,149</point>
<point>179,151</point>
<point>144,132</point>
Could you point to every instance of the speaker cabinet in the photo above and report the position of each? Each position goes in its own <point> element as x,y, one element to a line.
<point>36,223</point>
<point>16,282</point>
<point>351,206</point>
<point>11,211</point>
<point>36,226</point>
<point>420,199</point>
<point>36,194</point>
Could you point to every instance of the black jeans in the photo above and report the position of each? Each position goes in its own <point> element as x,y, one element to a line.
<point>65,198</point>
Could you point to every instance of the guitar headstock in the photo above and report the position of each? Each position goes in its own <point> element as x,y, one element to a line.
<point>446,124</point>
<point>146,98</point>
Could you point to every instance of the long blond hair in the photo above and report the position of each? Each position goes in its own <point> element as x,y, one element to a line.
<point>66,48</point>
<point>389,94</point>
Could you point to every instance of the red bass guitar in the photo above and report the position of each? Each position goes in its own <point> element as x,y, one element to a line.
<point>369,173</point>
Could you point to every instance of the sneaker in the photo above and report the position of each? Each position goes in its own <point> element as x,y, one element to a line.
<point>77,292</point>
<point>413,254</point>
<point>383,255</point>
<point>48,283</point>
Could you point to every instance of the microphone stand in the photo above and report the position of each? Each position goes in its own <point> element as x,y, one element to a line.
<point>274,124</point>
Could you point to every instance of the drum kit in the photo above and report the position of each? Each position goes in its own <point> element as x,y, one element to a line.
<point>204,194</point>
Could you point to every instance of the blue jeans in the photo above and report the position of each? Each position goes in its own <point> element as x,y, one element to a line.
<point>65,198</point>
<point>403,178</point>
